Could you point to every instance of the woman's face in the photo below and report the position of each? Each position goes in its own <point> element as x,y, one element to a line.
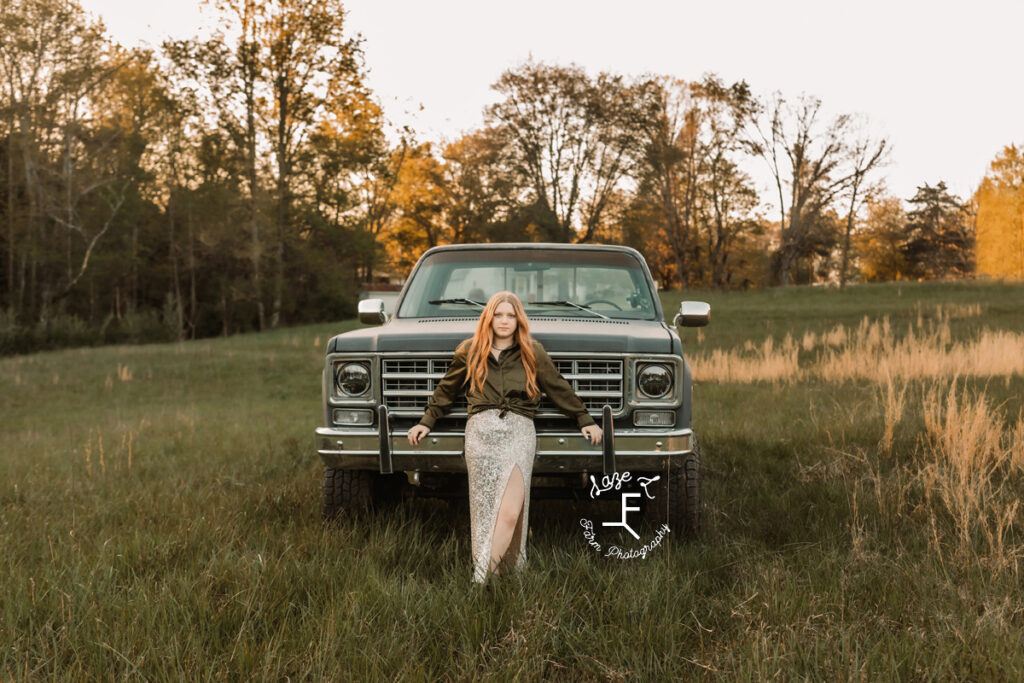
<point>504,323</point>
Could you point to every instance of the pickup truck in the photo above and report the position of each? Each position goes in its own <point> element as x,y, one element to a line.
<point>596,311</point>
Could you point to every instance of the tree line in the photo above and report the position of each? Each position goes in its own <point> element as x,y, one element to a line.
<point>251,179</point>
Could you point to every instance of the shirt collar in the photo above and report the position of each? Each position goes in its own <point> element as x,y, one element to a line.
<point>510,349</point>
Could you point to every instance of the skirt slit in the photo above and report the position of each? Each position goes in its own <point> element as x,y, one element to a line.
<point>511,555</point>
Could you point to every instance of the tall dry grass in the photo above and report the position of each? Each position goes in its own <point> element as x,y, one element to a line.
<point>893,399</point>
<point>948,310</point>
<point>926,350</point>
<point>873,351</point>
<point>764,362</point>
<point>967,466</point>
<point>971,465</point>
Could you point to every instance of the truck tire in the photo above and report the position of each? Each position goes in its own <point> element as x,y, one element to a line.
<point>678,497</point>
<point>349,491</point>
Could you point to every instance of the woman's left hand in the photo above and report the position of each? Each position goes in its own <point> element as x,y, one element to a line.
<point>593,433</point>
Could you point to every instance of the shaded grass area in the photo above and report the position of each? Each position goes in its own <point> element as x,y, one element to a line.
<point>159,519</point>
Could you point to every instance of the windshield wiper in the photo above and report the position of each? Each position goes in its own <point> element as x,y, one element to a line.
<point>457,301</point>
<point>570,303</point>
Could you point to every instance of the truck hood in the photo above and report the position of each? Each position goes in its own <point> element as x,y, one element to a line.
<point>557,335</point>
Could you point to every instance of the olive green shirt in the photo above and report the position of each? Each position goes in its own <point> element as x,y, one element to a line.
<point>505,387</point>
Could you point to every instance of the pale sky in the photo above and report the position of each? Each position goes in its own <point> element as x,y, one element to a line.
<point>943,81</point>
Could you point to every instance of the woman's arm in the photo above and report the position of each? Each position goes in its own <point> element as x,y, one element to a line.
<point>563,396</point>
<point>445,393</point>
<point>559,390</point>
<point>447,390</point>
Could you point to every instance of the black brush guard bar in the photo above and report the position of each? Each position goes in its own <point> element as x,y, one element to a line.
<point>386,465</point>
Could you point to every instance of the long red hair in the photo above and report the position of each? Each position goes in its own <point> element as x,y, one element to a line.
<point>483,339</point>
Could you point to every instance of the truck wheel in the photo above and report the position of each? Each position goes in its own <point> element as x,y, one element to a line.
<point>346,490</point>
<point>678,497</point>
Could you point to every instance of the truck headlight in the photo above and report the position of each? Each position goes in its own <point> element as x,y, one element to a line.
<point>654,381</point>
<point>352,379</point>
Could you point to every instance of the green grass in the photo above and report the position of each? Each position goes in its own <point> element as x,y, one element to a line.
<point>167,526</point>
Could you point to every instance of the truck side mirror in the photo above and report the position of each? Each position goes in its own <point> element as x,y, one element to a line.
<point>693,314</point>
<point>371,312</point>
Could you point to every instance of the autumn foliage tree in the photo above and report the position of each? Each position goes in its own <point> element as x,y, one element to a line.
<point>878,243</point>
<point>692,195</point>
<point>222,184</point>
<point>688,173</point>
<point>1000,217</point>
<point>571,141</point>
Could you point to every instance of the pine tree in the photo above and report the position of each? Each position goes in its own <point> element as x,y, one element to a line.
<point>939,240</point>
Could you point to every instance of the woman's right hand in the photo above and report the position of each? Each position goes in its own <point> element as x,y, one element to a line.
<point>417,433</point>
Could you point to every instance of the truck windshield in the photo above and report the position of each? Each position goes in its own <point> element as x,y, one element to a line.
<point>550,282</point>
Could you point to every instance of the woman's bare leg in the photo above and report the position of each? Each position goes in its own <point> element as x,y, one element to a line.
<point>510,515</point>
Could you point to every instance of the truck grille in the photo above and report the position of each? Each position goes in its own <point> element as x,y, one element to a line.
<point>408,383</point>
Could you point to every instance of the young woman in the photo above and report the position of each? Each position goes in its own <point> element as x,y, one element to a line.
<point>503,371</point>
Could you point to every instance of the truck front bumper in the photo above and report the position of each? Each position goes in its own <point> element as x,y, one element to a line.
<point>556,451</point>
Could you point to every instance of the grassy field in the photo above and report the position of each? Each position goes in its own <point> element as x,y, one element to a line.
<point>159,516</point>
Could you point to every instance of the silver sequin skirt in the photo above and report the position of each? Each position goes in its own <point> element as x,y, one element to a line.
<point>494,445</point>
